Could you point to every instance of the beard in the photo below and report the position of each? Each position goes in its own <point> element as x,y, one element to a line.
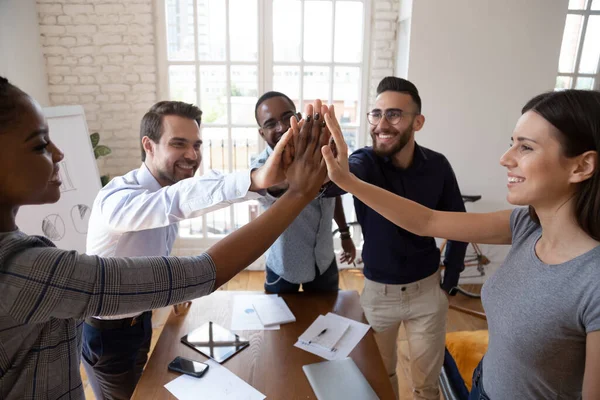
<point>401,139</point>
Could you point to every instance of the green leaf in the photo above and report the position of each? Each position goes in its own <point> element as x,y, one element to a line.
<point>104,179</point>
<point>95,137</point>
<point>101,151</point>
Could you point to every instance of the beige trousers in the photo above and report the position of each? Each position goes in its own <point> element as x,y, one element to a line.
<point>422,306</point>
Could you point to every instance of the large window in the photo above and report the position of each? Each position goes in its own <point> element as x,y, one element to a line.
<point>223,54</point>
<point>578,66</point>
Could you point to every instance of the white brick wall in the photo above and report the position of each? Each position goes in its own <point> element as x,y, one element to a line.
<point>101,54</point>
<point>384,22</point>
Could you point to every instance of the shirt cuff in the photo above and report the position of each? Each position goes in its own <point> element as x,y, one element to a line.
<point>237,184</point>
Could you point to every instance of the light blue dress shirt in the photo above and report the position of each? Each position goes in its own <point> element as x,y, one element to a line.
<point>134,216</point>
<point>307,242</point>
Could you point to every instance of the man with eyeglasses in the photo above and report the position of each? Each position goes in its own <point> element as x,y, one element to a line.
<point>303,254</point>
<point>402,278</point>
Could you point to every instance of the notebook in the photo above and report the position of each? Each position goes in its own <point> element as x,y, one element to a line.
<point>324,332</point>
<point>337,380</point>
<point>272,311</point>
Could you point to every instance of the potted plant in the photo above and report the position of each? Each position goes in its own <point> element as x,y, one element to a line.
<point>100,151</point>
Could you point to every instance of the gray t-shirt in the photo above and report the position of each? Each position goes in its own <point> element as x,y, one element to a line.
<point>538,318</point>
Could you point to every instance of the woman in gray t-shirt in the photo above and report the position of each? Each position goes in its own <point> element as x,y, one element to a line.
<point>543,304</point>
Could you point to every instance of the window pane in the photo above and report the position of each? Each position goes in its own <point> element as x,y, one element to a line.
<point>577,4</point>
<point>317,31</point>
<point>350,136</point>
<point>180,30</point>
<point>570,43</point>
<point>182,83</point>
<point>215,153</point>
<point>218,223</point>
<point>245,212</point>
<point>211,30</point>
<point>213,94</point>
<point>563,82</point>
<point>286,30</point>
<point>591,46</point>
<point>584,83</point>
<point>286,79</point>
<point>244,93</point>
<point>243,30</point>
<point>245,145</point>
<point>596,5</point>
<point>348,31</point>
<point>190,227</point>
<point>316,84</point>
<point>346,86</point>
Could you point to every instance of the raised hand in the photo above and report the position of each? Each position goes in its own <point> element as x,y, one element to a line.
<point>337,162</point>
<point>306,173</point>
<point>274,170</point>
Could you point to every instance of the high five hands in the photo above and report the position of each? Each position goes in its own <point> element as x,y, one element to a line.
<point>305,138</point>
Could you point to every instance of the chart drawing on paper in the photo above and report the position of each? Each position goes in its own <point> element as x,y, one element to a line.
<point>53,227</point>
<point>66,221</point>
<point>80,214</point>
<point>65,177</point>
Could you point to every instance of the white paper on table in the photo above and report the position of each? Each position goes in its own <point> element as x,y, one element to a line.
<point>333,329</point>
<point>217,383</point>
<point>272,311</point>
<point>244,317</point>
<point>347,343</point>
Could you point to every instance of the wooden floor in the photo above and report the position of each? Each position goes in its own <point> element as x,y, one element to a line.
<point>350,279</point>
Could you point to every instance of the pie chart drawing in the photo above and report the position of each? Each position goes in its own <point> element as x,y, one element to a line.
<point>80,214</point>
<point>53,227</point>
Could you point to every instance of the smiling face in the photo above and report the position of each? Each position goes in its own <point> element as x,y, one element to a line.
<point>28,158</point>
<point>273,116</point>
<point>389,139</point>
<point>538,172</point>
<point>177,154</point>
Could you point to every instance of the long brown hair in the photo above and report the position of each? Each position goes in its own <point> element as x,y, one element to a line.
<point>576,115</point>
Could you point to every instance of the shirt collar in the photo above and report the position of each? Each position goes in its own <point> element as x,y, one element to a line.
<point>146,179</point>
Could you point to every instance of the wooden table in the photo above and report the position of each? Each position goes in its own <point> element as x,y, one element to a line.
<point>271,363</point>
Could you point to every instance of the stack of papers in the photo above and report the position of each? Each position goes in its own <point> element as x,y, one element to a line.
<point>272,310</point>
<point>324,332</point>
<point>352,333</point>
<point>244,316</point>
<point>217,383</point>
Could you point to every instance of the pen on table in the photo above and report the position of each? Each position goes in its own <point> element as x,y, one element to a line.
<point>319,335</point>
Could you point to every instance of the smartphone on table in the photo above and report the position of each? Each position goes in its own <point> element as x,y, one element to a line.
<point>188,367</point>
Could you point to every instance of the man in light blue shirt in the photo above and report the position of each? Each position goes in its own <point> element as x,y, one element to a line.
<point>303,254</point>
<point>137,214</point>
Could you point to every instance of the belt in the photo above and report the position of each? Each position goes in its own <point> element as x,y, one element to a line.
<point>103,324</point>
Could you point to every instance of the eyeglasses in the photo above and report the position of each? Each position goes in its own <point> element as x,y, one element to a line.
<point>393,116</point>
<point>284,121</point>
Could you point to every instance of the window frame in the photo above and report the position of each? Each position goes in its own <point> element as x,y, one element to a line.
<point>265,67</point>
<point>575,75</point>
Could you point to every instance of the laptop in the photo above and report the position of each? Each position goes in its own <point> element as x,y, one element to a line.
<point>338,380</point>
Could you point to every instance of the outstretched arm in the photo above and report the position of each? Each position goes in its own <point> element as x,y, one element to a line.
<point>41,282</point>
<point>492,228</point>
